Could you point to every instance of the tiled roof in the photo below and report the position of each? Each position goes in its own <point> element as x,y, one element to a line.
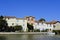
<point>9,16</point>
<point>30,16</point>
<point>52,22</point>
<point>14,17</point>
<point>21,18</point>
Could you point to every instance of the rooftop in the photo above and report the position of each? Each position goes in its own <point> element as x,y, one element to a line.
<point>30,16</point>
<point>9,16</point>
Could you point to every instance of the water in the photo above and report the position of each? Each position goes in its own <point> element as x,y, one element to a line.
<point>29,37</point>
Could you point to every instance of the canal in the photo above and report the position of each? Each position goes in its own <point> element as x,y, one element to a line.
<point>28,37</point>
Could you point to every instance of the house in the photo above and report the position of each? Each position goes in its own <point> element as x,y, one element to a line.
<point>30,19</point>
<point>43,26</point>
<point>23,22</point>
<point>13,21</point>
<point>57,25</point>
<point>30,22</point>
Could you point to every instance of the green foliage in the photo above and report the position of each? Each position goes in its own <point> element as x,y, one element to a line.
<point>18,28</point>
<point>3,24</point>
<point>30,27</point>
<point>56,31</point>
<point>1,17</point>
<point>44,30</point>
<point>41,20</point>
<point>36,30</point>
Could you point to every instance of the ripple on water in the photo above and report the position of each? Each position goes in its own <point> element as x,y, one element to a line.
<point>29,37</point>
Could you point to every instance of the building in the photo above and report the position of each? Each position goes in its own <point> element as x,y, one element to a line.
<point>13,21</point>
<point>57,25</point>
<point>30,19</point>
<point>43,26</point>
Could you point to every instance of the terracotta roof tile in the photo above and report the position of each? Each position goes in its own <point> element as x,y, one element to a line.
<point>21,18</point>
<point>29,16</point>
<point>9,16</point>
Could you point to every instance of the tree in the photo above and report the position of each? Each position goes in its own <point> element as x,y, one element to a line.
<point>42,20</point>
<point>30,27</point>
<point>1,17</point>
<point>18,28</point>
<point>3,24</point>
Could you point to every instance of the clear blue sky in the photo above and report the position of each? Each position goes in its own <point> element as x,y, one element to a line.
<point>48,9</point>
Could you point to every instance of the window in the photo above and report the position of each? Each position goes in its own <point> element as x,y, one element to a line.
<point>23,24</point>
<point>28,19</point>
<point>47,25</point>
<point>54,26</point>
<point>50,25</point>
<point>8,18</point>
<point>16,24</point>
<point>32,19</point>
<point>42,23</point>
<point>17,20</point>
<point>23,20</point>
<point>12,23</point>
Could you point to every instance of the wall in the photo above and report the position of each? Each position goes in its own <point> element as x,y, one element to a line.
<point>43,26</point>
<point>14,22</point>
<point>57,26</point>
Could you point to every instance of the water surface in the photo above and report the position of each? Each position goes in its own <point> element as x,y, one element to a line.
<point>29,37</point>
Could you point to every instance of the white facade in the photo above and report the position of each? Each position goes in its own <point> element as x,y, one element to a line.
<point>12,21</point>
<point>22,22</point>
<point>43,26</point>
<point>57,26</point>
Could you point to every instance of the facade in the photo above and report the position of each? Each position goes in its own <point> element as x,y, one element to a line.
<point>57,25</point>
<point>30,19</point>
<point>23,22</point>
<point>43,26</point>
<point>13,21</point>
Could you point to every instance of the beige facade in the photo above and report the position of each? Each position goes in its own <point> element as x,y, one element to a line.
<point>43,26</point>
<point>13,21</point>
<point>30,19</point>
<point>57,26</point>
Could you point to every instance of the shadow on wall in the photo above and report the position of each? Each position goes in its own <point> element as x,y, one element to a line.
<point>2,38</point>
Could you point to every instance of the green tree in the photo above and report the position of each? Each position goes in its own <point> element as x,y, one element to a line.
<point>42,20</point>
<point>30,27</point>
<point>18,28</point>
<point>3,24</point>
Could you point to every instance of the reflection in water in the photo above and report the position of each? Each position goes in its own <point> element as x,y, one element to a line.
<point>29,37</point>
<point>2,38</point>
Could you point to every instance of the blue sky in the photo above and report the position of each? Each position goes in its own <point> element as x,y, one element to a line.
<point>48,9</point>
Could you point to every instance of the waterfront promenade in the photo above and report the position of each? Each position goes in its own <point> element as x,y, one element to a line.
<point>40,33</point>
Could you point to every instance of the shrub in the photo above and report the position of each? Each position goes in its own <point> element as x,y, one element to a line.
<point>56,31</point>
<point>44,30</point>
<point>36,30</point>
<point>18,28</point>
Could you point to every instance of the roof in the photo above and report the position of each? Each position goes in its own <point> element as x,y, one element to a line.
<point>14,17</point>
<point>52,22</point>
<point>36,21</point>
<point>39,22</point>
<point>20,18</point>
<point>9,17</point>
<point>30,16</point>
